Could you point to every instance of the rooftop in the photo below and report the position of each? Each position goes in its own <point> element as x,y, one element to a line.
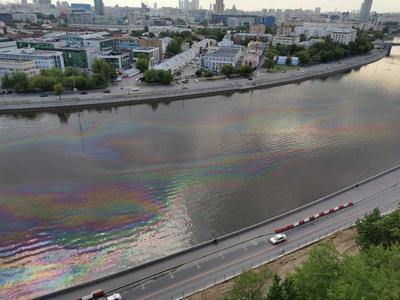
<point>224,52</point>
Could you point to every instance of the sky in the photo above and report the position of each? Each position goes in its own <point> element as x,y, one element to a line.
<point>326,5</point>
<point>331,5</point>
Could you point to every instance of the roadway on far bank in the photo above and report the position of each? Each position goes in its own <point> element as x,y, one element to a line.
<point>122,93</point>
<point>204,266</point>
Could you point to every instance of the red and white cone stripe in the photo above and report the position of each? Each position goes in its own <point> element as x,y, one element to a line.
<point>316,216</point>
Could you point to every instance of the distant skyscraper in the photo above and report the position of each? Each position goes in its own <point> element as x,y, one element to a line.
<point>318,10</point>
<point>219,7</point>
<point>365,10</point>
<point>195,4</point>
<point>155,5</point>
<point>99,7</point>
<point>24,2</point>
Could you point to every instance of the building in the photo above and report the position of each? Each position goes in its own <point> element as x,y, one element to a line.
<point>179,61</point>
<point>6,18</point>
<point>7,43</point>
<point>43,59</point>
<point>3,28</point>
<point>258,29</point>
<point>44,2</point>
<point>317,11</point>
<point>81,7</point>
<point>125,44</point>
<point>81,17</point>
<point>120,61</point>
<point>219,6</point>
<point>343,35</point>
<point>365,10</point>
<point>221,57</point>
<point>243,38</point>
<point>26,66</point>
<point>99,7</point>
<point>24,17</point>
<point>152,53</point>
<point>148,42</point>
<point>285,40</point>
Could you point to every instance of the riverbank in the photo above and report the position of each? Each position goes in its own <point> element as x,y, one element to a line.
<point>196,89</point>
<point>344,242</point>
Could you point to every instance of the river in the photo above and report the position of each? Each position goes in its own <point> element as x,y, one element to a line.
<point>86,194</point>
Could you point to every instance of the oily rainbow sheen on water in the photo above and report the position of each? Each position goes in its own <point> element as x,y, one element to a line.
<point>133,205</point>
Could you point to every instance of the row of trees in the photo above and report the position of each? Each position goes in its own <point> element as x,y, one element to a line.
<point>374,273</point>
<point>229,70</point>
<point>324,52</point>
<point>102,74</point>
<point>158,76</point>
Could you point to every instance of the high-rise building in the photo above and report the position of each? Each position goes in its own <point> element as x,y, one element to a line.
<point>99,7</point>
<point>219,7</point>
<point>195,4</point>
<point>317,10</point>
<point>24,2</point>
<point>155,5</point>
<point>365,10</point>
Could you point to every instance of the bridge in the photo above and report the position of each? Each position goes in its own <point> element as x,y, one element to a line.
<point>386,45</point>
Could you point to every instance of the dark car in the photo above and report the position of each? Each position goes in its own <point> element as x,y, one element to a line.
<point>250,78</point>
<point>106,91</point>
<point>9,92</point>
<point>82,92</point>
<point>43,95</point>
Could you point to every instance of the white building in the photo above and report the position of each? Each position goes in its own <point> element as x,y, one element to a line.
<point>285,40</point>
<point>152,53</point>
<point>24,17</point>
<point>343,35</point>
<point>179,61</point>
<point>221,57</point>
<point>43,59</point>
<point>21,65</point>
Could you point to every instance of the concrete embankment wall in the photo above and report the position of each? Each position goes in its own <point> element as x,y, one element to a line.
<point>109,101</point>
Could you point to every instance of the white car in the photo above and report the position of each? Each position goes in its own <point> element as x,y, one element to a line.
<point>116,296</point>
<point>135,89</point>
<point>277,239</point>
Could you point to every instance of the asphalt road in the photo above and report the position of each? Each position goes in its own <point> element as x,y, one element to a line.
<point>214,263</point>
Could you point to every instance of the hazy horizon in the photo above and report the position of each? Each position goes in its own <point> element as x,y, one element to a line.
<point>249,5</point>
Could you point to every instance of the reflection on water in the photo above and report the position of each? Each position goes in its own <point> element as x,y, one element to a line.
<point>85,194</point>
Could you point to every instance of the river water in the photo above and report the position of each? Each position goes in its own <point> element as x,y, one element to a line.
<point>87,194</point>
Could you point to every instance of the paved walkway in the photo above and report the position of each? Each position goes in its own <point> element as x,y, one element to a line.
<point>123,94</point>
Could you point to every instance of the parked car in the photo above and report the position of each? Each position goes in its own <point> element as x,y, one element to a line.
<point>43,95</point>
<point>106,91</point>
<point>279,238</point>
<point>135,89</point>
<point>82,92</point>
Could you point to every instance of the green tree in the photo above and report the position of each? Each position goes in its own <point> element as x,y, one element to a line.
<point>7,81</point>
<point>174,47</point>
<point>44,83</point>
<point>142,64</point>
<point>21,82</point>
<point>269,63</point>
<point>304,57</point>
<point>158,76</point>
<point>249,286</point>
<point>208,74</point>
<point>199,73</point>
<point>228,70</point>
<point>315,277</point>
<point>275,292</point>
<point>288,60</point>
<point>289,289</point>
<point>81,82</point>
<point>104,68</point>
<point>245,70</point>
<point>58,89</point>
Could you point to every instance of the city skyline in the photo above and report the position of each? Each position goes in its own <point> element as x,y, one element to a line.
<point>249,5</point>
